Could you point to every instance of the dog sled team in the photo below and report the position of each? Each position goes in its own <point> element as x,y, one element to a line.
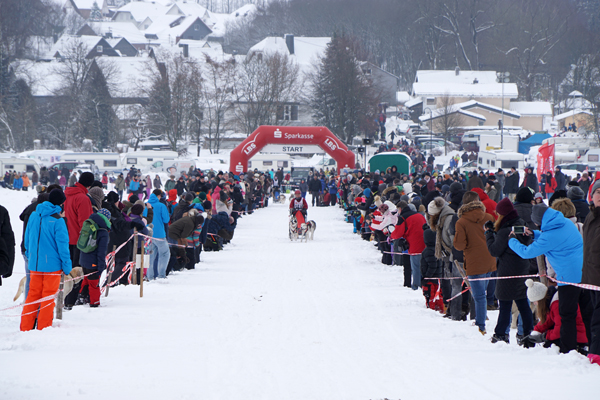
<point>300,228</point>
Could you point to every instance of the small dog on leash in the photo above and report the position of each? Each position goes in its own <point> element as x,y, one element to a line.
<point>308,230</point>
<point>75,276</point>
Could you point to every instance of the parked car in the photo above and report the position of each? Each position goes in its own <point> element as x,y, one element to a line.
<point>581,167</point>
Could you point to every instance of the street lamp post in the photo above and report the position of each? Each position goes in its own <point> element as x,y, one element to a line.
<point>502,77</point>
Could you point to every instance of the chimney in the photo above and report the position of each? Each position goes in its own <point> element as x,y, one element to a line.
<point>456,71</point>
<point>289,41</point>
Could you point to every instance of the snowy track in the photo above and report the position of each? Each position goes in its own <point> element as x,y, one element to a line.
<point>272,319</point>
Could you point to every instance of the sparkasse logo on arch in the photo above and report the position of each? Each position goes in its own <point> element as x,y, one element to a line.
<point>299,136</point>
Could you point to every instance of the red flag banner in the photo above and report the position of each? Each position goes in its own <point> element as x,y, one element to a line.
<point>545,159</point>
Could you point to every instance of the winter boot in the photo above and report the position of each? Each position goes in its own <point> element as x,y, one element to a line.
<point>500,338</point>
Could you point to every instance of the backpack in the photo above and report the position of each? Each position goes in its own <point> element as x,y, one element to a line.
<point>88,237</point>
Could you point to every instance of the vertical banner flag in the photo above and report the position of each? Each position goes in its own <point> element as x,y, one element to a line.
<point>545,159</point>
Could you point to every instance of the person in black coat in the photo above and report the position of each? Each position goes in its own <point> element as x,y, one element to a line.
<point>531,180</point>
<point>560,178</point>
<point>94,262</point>
<point>431,267</point>
<point>456,195</point>
<point>180,186</point>
<point>509,264</point>
<point>8,245</point>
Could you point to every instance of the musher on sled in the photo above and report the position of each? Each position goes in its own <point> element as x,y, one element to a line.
<point>298,208</point>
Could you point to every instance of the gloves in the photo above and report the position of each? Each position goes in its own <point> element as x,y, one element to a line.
<point>137,225</point>
<point>389,240</point>
<point>489,226</point>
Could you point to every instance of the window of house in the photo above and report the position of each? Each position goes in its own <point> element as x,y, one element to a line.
<point>480,161</point>
<point>287,113</point>
<point>196,27</point>
<point>431,101</point>
<point>493,163</point>
<point>259,56</point>
<point>593,157</point>
<point>367,71</point>
<point>110,163</point>
<point>29,168</point>
<point>99,49</point>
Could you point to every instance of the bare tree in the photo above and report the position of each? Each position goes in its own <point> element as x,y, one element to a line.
<point>219,78</point>
<point>264,83</point>
<point>446,117</point>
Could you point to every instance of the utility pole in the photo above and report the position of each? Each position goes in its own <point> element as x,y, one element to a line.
<point>502,77</point>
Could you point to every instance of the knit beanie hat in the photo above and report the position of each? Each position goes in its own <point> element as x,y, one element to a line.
<point>172,195</point>
<point>97,194</point>
<point>57,197</point>
<point>112,197</point>
<point>536,291</point>
<point>105,212</point>
<point>575,193</point>
<point>137,209</point>
<point>86,179</point>
<point>559,194</point>
<point>189,197</point>
<point>504,207</point>
<point>537,213</point>
<point>455,187</point>
<point>538,195</point>
<point>435,206</point>
<point>595,186</point>
<point>207,205</point>
<point>524,195</point>
<point>367,192</point>
<point>202,196</point>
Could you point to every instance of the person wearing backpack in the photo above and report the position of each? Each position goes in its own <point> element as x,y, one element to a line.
<point>93,245</point>
<point>78,208</point>
<point>47,249</point>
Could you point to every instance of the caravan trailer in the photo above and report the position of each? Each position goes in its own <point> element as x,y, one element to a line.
<point>492,160</point>
<point>144,159</point>
<point>8,162</point>
<point>45,158</point>
<point>104,161</point>
<point>268,161</point>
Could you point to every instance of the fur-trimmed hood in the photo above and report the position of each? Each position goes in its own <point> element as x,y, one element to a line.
<point>467,208</point>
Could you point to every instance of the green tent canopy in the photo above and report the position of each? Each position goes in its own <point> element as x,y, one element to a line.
<point>386,159</point>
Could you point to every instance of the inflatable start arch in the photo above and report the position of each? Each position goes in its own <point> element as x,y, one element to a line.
<point>290,135</point>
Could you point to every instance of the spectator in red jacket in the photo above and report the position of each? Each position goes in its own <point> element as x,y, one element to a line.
<point>410,227</point>
<point>490,205</point>
<point>550,186</point>
<point>78,208</point>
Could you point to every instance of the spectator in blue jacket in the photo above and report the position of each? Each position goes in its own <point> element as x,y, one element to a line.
<point>159,258</point>
<point>332,191</point>
<point>18,182</point>
<point>560,241</point>
<point>47,249</point>
<point>134,185</point>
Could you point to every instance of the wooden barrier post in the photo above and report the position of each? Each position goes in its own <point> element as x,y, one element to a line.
<point>109,277</point>
<point>59,300</point>
<point>142,272</point>
<point>135,242</point>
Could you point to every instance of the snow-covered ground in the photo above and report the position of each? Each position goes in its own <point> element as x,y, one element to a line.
<point>271,319</point>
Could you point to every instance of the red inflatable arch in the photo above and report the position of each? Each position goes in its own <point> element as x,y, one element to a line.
<point>292,135</point>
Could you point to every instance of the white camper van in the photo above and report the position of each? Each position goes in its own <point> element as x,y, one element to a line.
<point>17,164</point>
<point>492,160</point>
<point>175,167</point>
<point>592,158</point>
<point>45,158</point>
<point>104,161</point>
<point>268,161</point>
<point>144,159</point>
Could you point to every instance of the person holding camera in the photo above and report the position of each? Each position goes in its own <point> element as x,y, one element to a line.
<point>559,240</point>
<point>497,235</point>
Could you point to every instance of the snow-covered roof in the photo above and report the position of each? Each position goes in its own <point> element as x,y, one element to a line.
<point>568,114</point>
<point>576,93</point>
<point>439,112</point>
<point>306,49</point>
<point>465,89</point>
<point>127,30</point>
<point>470,105</point>
<point>575,102</point>
<point>87,4</point>
<point>161,22</point>
<point>531,107</point>
<point>188,8</point>
<point>218,22</point>
<point>413,102</point>
<point>402,97</point>
<point>450,76</point>
<point>41,76</point>
<point>142,9</point>
<point>130,75</point>
<point>66,43</point>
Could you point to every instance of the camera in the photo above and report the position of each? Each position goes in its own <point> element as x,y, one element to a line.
<point>518,230</point>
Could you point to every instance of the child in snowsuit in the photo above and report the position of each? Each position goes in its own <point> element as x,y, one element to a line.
<point>547,331</point>
<point>94,262</point>
<point>431,267</point>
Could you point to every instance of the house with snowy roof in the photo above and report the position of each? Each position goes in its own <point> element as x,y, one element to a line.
<point>535,115</point>
<point>69,45</point>
<point>85,7</point>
